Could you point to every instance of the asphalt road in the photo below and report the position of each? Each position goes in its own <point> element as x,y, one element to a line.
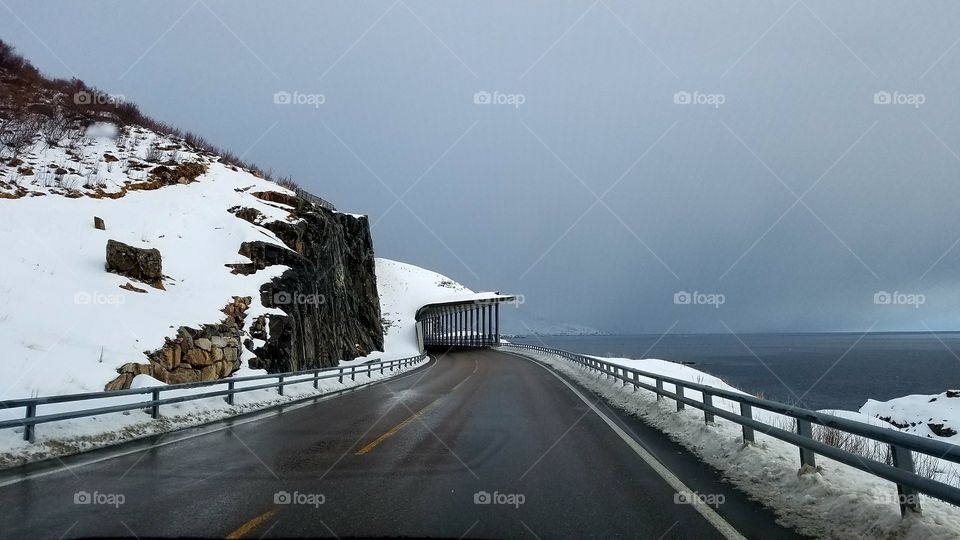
<point>474,444</point>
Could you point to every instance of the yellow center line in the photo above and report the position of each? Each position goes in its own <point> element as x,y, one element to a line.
<point>460,383</point>
<point>249,526</point>
<point>376,442</point>
<point>393,430</point>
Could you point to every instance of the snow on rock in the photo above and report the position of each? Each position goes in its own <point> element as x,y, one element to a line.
<point>936,416</point>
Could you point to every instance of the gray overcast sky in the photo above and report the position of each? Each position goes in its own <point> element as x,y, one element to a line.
<point>798,198</point>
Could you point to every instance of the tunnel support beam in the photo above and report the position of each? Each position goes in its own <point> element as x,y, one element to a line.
<point>465,323</point>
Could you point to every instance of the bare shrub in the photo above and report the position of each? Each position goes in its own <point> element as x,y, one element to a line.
<point>289,183</point>
<point>54,128</point>
<point>154,154</point>
<point>17,133</point>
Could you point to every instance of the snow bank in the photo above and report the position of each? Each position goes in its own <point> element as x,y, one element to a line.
<point>836,502</point>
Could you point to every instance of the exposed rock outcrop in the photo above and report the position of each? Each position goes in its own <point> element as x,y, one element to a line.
<point>329,294</point>
<point>145,265</point>
<point>205,354</point>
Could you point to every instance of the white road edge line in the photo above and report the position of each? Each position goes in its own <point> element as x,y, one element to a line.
<point>306,402</point>
<point>727,530</point>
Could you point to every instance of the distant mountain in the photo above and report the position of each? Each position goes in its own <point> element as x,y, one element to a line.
<point>514,325</point>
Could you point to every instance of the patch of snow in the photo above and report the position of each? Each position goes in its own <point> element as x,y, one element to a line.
<point>936,416</point>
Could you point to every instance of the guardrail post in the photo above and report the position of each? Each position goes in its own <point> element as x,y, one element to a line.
<point>636,381</point>
<point>30,429</point>
<point>746,411</point>
<point>659,389</point>
<point>679,393</point>
<point>805,429</point>
<point>707,402</point>
<point>230,385</point>
<point>316,380</point>
<point>907,496</point>
<point>155,410</point>
<point>280,385</point>
<point>353,373</point>
<point>381,368</point>
<point>340,378</point>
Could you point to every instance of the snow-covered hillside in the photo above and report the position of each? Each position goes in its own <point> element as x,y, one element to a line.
<point>405,288</point>
<point>66,324</point>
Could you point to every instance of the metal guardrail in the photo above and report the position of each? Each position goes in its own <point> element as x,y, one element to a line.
<point>31,418</point>
<point>319,201</point>
<point>902,445</point>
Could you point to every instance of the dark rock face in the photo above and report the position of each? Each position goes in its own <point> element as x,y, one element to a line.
<point>136,263</point>
<point>329,294</point>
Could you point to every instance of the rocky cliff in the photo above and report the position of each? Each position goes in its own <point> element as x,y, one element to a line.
<point>329,294</point>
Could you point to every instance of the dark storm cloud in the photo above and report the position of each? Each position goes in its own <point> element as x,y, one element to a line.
<point>790,162</point>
